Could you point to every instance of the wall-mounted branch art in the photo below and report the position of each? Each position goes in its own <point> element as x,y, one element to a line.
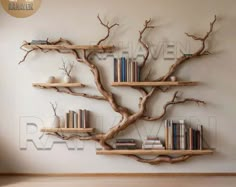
<point>128,117</point>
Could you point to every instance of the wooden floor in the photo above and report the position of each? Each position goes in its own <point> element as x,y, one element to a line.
<point>176,181</point>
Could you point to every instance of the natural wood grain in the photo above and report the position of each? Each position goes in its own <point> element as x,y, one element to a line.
<point>67,130</point>
<point>154,152</point>
<point>58,85</point>
<point>166,83</point>
<point>69,47</point>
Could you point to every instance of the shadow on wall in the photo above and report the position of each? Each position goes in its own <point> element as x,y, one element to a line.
<point>8,165</point>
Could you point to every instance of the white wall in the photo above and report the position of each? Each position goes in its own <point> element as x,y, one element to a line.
<point>76,20</point>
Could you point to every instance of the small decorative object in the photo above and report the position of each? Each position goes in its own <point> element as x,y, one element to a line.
<point>51,79</point>
<point>173,78</point>
<point>67,71</point>
<point>55,123</point>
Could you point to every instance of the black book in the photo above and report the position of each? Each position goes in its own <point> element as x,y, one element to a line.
<point>115,70</point>
<point>127,140</point>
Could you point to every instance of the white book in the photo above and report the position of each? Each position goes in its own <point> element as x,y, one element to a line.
<point>153,147</point>
<point>128,70</point>
<point>182,134</point>
<point>152,142</point>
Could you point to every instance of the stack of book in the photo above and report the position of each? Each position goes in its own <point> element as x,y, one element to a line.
<point>152,143</point>
<point>39,42</point>
<point>125,144</point>
<point>179,137</point>
<point>126,70</point>
<point>78,119</point>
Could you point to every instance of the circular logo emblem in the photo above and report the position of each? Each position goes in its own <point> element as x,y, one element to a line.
<point>21,8</point>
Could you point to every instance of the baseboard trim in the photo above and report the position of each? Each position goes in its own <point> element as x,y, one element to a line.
<point>116,174</point>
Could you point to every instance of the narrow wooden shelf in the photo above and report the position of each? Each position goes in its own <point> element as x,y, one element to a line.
<point>68,130</point>
<point>58,85</point>
<point>167,83</point>
<point>154,152</point>
<point>69,47</point>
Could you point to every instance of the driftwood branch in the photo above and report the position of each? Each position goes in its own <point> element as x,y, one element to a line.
<point>54,108</point>
<point>108,27</point>
<point>160,159</point>
<point>202,51</point>
<point>67,69</point>
<point>128,118</point>
<point>174,101</point>
<point>147,25</point>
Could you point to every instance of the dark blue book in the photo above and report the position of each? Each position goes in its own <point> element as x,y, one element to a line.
<point>122,69</point>
<point>125,70</point>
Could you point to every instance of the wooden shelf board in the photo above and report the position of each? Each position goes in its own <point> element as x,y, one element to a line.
<point>167,83</point>
<point>67,130</point>
<point>58,85</point>
<point>66,47</point>
<point>154,152</point>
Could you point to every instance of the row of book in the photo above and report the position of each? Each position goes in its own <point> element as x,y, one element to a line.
<point>152,142</point>
<point>126,70</point>
<point>179,137</point>
<point>79,119</point>
<point>126,144</point>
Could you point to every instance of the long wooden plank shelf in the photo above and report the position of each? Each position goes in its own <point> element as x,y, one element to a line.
<point>70,47</point>
<point>58,85</point>
<point>154,152</point>
<point>167,83</point>
<point>68,130</point>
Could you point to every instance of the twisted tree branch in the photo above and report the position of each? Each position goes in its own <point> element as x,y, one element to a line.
<point>200,52</point>
<point>172,102</point>
<point>108,27</point>
<point>160,159</point>
<point>145,46</point>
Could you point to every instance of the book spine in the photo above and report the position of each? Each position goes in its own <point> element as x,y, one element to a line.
<point>174,136</point>
<point>135,72</point>
<point>119,69</point>
<point>138,73</point>
<point>125,70</point>
<point>201,137</point>
<point>84,118</point>
<point>125,141</point>
<point>194,139</point>
<point>126,147</point>
<point>115,73</point>
<point>128,70</point>
<point>166,134</point>
<point>186,146</point>
<point>79,119</point>
<point>182,142</point>
<point>75,120</point>
<point>70,119</point>
<point>198,140</point>
<point>170,134</point>
<point>132,72</point>
<point>87,119</point>
<point>152,142</point>
<point>122,69</point>
<point>67,120</point>
<point>190,138</point>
